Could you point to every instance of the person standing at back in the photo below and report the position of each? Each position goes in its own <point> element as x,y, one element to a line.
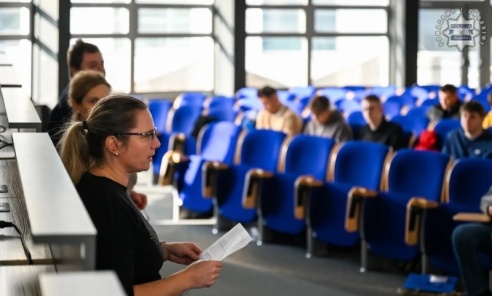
<point>81,56</point>
<point>276,116</point>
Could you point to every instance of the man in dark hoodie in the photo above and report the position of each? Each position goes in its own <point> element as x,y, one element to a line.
<point>326,122</point>
<point>448,107</point>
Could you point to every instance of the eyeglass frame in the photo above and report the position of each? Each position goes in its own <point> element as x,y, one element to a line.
<point>152,134</point>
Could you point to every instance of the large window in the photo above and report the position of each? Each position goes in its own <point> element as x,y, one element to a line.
<point>15,39</point>
<point>152,46</point>
<point>317,43</point>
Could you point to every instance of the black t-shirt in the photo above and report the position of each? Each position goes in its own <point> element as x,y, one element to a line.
<point>123,243</point>
<point>388,133</point>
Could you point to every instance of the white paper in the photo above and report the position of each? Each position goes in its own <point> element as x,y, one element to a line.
<point>234,240</point>
<point>438,279</point>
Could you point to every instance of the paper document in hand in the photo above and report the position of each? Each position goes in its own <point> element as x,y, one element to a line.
<point>235,239</point>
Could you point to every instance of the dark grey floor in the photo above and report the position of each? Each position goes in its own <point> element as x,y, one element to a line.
<point>276,268</point>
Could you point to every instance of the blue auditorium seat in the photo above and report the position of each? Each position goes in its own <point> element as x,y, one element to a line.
<point>444,126</point>
<point>159,108</point>
<point>411,174</point>
<point>305,156</point>
<point>216,142</point>
<point>467,181</point>
<point>180,121</point>
<point>355,164</point>
<point>189,98</point>
<point>258,152</point>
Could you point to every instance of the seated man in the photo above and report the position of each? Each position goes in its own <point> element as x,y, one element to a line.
<point>471,140</point>
<point>276,116</point>
<point>469,240</point>
<point>326,122</point>
<point>378,129</point>
<point>448,107</point>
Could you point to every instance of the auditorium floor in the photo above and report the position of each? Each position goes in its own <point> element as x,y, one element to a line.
<point>274,268</point>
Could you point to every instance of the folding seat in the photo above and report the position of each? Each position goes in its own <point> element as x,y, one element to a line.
<point>392,109</point>
<point>356,121</point>
<point>355,164</point>
<point>256,159</point>
<point>465,184</point>
<point>383,91</point>
<point>347,106</point>
<point>216,142</point>
<point>444,126</point>
<point>222,113</point>
<point>247,92</point>
<point>333,93</point>
<point>305,159</point>
<point>411,177</point>
<point>180,124</point>
<point>159,108</point>
<point>189,98</point>
<point>221,101</point>
<point>302,91</point>
<point>428,103</point>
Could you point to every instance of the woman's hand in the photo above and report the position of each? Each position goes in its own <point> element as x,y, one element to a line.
<point>203,273</point>
<point>182,253</point>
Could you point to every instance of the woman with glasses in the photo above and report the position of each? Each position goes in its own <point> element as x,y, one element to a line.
<point>116,140</point>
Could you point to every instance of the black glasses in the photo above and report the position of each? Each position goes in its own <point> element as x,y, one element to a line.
<point>151,135</point>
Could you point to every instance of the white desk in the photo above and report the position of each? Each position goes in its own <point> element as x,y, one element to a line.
<point>56,212</point>
<point>22,280</point>
<point>19,108</point>
<point>96,283</point>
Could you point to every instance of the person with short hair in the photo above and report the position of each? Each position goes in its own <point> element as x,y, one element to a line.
<point>118,139</point>
<point>81,56</point>
<point>448,107</point>
<point>326,122</point>
<point>471,140</point>
<point>276,116</point>
<point>377,128</point>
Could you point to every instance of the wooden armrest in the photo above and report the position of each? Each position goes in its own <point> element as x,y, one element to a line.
<point>177,142</point>
<point>420,202</point>
<point>300,197</point>
<point>362,192</point>
<point>216,165</point>
<point>252,186</point>
<point>166,173</point>
<point>471,217</point>
<point>352,214</point>
<point>412,223</point>
<point>209,178</point>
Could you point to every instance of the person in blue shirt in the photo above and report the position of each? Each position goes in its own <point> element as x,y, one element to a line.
<point>471,140</point>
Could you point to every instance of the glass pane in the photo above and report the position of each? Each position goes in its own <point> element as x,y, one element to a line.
<point>180,64</point>
<point>109,20</point>
<point>267,59</point>
<point>342,20</point>
<point>101,1</point>
<point>18,53</point>
<point>185,2</point>
<point>349,62</point>
<point>175,20</point>
<point>276,2</point>
<point>14,21</point>
<point>275,20</point>
<point>352,2</point>
<point>116,55</point>
<point>439,61</point>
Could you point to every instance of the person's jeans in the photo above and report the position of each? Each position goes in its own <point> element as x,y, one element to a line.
<point>468,241</point>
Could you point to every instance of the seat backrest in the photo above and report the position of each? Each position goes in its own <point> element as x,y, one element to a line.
<point>308,155</point>
<point>184,119</point>
<point>261,149</point>
<point>159,108</point>
<point>468,180</point>
<point>222,113</point>
<point>190,98</point>
<point>360,163</point>
<point>419,173</point>
<point>444,126</point>
<point>221,101</point>
<point>217,141</point>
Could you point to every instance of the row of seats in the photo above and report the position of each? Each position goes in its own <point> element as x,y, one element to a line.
<point>398,204</point>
